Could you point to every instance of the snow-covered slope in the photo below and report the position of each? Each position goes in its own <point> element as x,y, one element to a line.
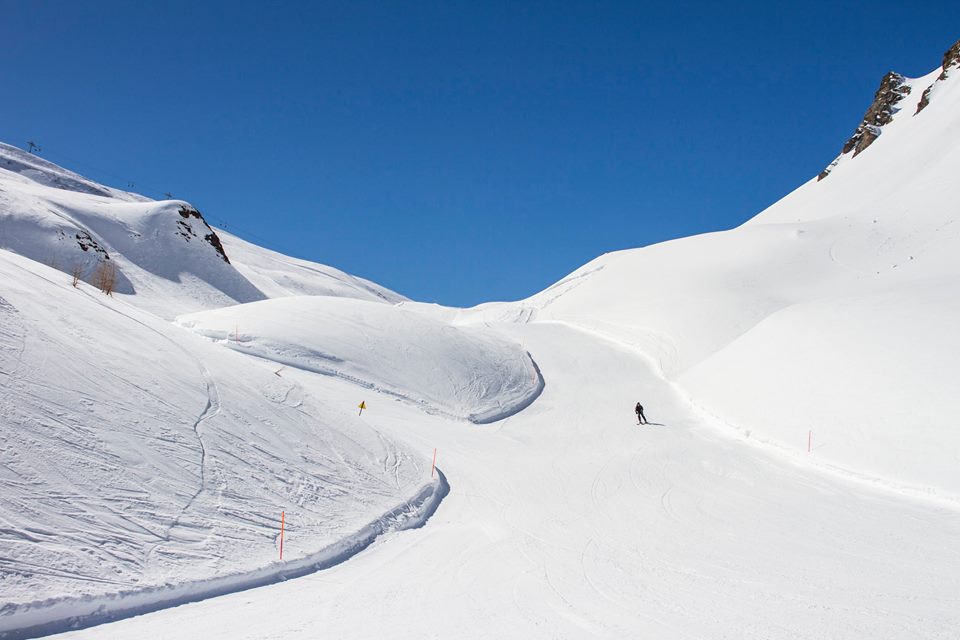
<point>139,463</point>
<point>164,252</point>
<point>138,458</point>
<point>835,310</point>
<point>43,172</point>
<point>277,275</point>
<point>568,521</point>
<point>459,372</point>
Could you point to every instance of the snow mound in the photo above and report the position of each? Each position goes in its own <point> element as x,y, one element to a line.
<point>454,371</point>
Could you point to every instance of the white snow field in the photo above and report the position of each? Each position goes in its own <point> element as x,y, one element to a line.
<point>138,454</point>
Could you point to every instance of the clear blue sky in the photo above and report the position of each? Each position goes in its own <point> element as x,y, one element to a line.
<point>457,152</point>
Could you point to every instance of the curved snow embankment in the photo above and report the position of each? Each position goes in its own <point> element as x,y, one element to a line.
<point>869,381</point>
<point>465,373</point>
<point>60,615</point>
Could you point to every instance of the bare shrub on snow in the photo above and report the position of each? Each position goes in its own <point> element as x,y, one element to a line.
<point>105,277</point>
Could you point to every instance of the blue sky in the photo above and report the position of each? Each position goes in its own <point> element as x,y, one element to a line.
<point>458,152</point>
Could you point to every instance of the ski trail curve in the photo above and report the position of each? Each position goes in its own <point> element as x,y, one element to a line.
<point>212,409</point>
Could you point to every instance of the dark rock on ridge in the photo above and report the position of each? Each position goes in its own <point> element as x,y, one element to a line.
<point>187,212</point>
<point>86,242</point>
<point>893,89</point>
<point>951,60</point>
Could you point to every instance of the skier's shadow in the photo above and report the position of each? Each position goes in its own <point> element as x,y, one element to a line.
<point>653,424</point>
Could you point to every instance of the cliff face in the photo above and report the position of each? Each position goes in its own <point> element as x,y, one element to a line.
<point>893,89</point>
<point>951,61</point>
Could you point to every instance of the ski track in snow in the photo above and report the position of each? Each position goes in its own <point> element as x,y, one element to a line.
<point>211,409</point>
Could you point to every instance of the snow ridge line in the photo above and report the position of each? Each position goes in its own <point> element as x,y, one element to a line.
<point>502,413</point>
<point>492,415</point>
<point>48,618</point>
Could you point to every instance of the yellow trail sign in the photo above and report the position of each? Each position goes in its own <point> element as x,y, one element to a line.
<point>363,405</point>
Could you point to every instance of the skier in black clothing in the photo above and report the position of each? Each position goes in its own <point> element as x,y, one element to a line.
<point>641,419</point>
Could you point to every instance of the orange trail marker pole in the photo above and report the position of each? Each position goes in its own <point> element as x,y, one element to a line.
<point>282,521</point>
<point>236,334</point>
<point>434,465</point>
<point>809,440</point>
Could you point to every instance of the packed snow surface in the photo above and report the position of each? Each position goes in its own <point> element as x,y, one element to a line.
<point>568,520</point>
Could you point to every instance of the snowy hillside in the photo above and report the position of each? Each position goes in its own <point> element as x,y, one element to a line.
<point>167,258</point>
<point>141,464</point>
<point>277,275</point>
<point>163,252</point>
<point>136,456</point>
<point>835,310</point>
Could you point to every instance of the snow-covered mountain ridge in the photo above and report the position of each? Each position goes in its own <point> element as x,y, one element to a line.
<point>167,258</point>
<point>833,311</point>
<point>894,88</point>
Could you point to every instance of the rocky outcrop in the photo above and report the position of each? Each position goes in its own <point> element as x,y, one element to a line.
<point>893,89</point>
<point>186,230</point>
<point>951,61</point>
<point>87,243</point>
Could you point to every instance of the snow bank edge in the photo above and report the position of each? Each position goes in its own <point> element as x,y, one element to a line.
<point>48,618</point>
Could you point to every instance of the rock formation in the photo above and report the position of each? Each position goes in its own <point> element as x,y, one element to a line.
<point>893,89</point>
<point>951,60</point>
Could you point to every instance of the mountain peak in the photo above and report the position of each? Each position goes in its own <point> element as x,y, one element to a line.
<point>893,89</point>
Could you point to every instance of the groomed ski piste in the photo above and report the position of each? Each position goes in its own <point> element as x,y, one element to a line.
<point>798,478</point>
